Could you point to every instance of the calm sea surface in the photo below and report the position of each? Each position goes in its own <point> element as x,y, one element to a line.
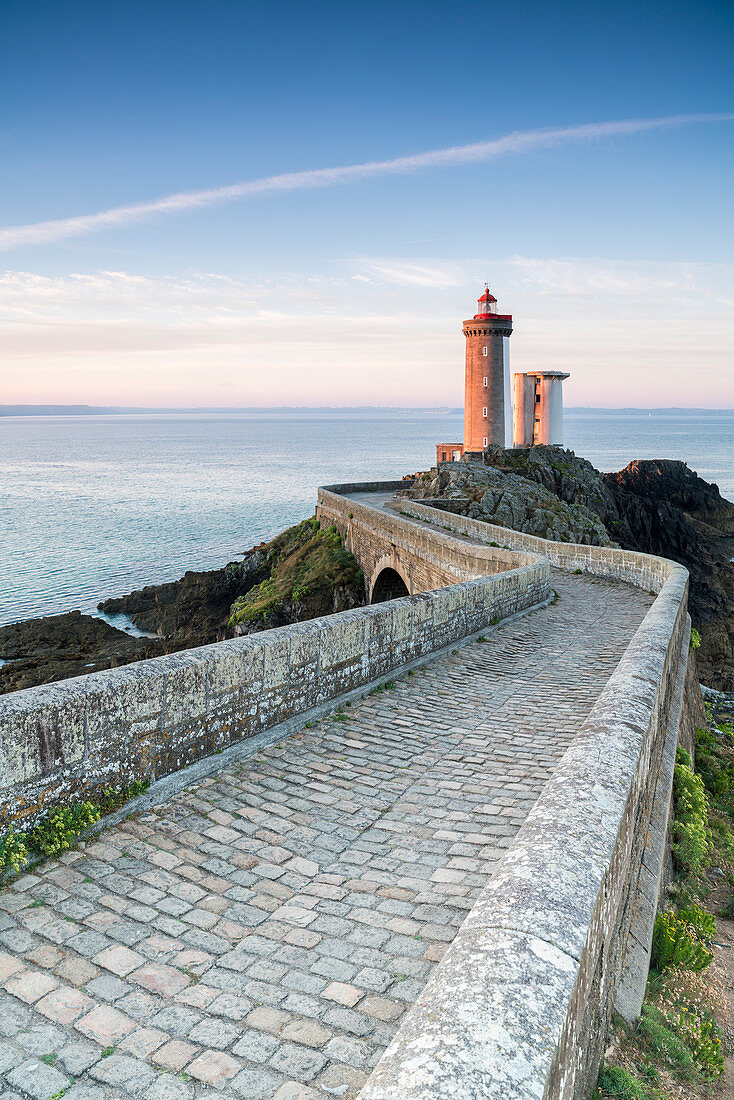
<point>93,506</point>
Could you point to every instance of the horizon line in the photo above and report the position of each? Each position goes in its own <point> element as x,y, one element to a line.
<point>52,409</point>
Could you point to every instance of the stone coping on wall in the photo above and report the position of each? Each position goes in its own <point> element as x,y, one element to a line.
<point>454,557</point>
<point>631,566</point>
<point>518,1007</point>
<point>152,718</point>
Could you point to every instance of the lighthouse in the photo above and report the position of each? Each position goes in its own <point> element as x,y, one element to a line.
<point>487,393</point>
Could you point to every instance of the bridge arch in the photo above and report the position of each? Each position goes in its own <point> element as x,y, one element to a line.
<point>389,581</point>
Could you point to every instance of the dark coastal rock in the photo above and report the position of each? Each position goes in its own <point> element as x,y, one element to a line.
<point>658,506</point>
<point>194,610</point>
<point>502,493</point>
<point>301,574</point>
<point>58,646</point>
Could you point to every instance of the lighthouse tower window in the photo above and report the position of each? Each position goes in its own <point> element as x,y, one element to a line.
<point>485,441</point>
<point>485,383</point>
<point>484,411</point>
<point>484,351</point>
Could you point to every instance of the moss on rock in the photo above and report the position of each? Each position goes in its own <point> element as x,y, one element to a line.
<point>310,574</point>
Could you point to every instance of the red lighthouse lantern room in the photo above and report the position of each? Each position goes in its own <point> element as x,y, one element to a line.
<point>486,305</point>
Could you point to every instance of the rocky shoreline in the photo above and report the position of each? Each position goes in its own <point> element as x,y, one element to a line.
<point>302,573</point>
<point>660,507</point>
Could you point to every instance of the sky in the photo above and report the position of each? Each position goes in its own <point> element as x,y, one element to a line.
<point>248,203</point>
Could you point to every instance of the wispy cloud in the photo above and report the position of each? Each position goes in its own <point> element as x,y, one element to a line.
<point>621,327</point>
<point>511,144</point>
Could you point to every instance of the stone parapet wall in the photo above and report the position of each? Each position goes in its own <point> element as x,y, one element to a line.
<point>147,720</point>
<point>426,558</point>
<point>643,570</point>
<point>519,1007</point>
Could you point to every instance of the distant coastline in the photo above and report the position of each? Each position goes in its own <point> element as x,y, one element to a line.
<point>327,410</point>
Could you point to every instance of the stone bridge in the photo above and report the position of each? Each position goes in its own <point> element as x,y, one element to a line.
<point>407,852</point>
<point>399,558</point>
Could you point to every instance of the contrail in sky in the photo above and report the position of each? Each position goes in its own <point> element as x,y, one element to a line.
<point>519,142</point>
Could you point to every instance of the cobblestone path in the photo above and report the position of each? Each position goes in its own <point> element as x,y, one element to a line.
<point>262,933</point>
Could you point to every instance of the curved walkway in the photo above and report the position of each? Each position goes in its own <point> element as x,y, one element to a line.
<point>262,933</point>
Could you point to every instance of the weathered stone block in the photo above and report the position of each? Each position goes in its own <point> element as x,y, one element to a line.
<point>38,739</point>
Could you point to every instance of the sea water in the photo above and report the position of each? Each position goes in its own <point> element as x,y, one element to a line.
<point>95,506</point>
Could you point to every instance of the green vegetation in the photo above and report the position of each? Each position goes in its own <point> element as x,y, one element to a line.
<point>620,1084</point>
<point>691,834</point>
<point>677,1041</point>
<point>678,940</point>
<point>13,852</point>
<point>305,562</point>
<point>695,641</point>
<point>60,827</point>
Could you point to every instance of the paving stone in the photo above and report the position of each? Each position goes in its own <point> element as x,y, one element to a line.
<point>107,988</point>
<point>38,1080</point>
<point>214,1034</point>
<point>31,985</point>
<point>169,1088</point>
<point>256,1046</point>
<point>268,1019</point>
<point>174,1054</point>
<point>342,1049</point>
<point>297,1061</point>
<point>9,965</point>
<point>9,1057</point>
<point>377,980</point>
<point>123,1071</point>
<point>85,1092</point>
<point>139,1005</point>
<point>176,1019</point>
<point>105,1025</point>
<point>42,1039</point>
<point>343,994</point>
<point>294,1090</point>
<point>213,1068</point>
<point>76,971</point>
<point>161,979</point>
<point>87,944</point>
<point>336,1076</point>
<point>307,1032</point>
<point>143,1042</point>
<point>120,960</point>
<point>76,1057</point>
<point>255,1084</point>
<point>234,1008</point>
<point>64,1005</point>
<point>381,1008</point>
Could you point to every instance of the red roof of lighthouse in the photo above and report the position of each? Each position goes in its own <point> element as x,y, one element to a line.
<point>487,297</point>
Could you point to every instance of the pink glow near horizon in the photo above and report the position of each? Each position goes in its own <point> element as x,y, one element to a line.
<point>642,334</point>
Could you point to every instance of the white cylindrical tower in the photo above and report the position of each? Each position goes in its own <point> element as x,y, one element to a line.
<point>523,410</point>
<point>549,415</point>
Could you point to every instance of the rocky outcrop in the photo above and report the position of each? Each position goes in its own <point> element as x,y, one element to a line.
<point>666,509</point>
<point>39,651</point>
<point>503,496</point>
<point>194,610</point>
<point>299,575</point>
<point>309,574</point>
<point>657,506</point>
